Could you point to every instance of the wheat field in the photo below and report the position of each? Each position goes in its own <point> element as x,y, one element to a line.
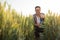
<point>18,27</point>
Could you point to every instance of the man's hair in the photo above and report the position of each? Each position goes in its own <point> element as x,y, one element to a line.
<point>37,7</point>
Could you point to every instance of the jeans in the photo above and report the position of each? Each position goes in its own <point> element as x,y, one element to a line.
<point>37,31</point>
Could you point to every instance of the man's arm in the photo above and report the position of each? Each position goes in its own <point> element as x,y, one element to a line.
<point>42,18</point>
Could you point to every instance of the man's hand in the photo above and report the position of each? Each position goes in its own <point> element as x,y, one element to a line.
<point>42,16</point>
<point>37,24</point>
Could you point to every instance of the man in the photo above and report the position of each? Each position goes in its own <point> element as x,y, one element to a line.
<point>38,20</point>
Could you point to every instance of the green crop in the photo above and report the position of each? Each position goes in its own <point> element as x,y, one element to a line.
<point>18,27</point>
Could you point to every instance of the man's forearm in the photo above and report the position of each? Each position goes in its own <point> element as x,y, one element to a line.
<point>37,25</point>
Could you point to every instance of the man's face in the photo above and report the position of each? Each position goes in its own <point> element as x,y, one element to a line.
<point>37,10</point>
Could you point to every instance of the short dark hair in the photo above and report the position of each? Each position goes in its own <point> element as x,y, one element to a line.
<point>37,7</point>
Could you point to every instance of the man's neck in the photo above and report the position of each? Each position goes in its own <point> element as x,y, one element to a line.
<point>38,15</point>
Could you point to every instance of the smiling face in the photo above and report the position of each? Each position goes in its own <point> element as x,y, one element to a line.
<point>37,10</point>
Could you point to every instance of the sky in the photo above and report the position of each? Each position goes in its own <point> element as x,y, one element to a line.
<point>28,6</point>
